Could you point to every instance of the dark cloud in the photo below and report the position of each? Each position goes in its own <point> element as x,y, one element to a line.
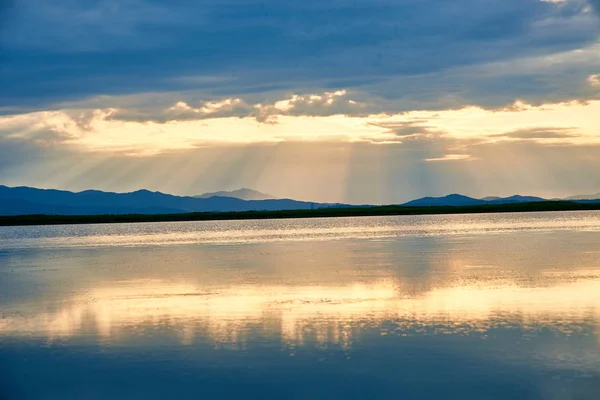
<point>143,57</point>
<point>5,7</point>
<point>415,128</point>
<point>68,50</point>
<point>539,133</point>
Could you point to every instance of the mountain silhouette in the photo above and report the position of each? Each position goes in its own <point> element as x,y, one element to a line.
<point>27,200</point>
<point>460,200</point>
<point>516,199</point>
<point>244,194</point>
<point>450,200</point>
<point>584,197</point>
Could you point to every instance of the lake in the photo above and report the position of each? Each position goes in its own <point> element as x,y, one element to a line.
<point>490,306</point>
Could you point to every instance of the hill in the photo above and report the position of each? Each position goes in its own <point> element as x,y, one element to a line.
<point>460,200</point>
<point>450,200</point>
<point>27,200</point>
<point>516,199</point>
<point>584,197</point>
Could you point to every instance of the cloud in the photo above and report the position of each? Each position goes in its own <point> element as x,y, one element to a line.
<point>594,80</point>
<point>413,52</point>
<point>450,157</point>
<point>328,103</point>
<point>595,4</point>
<point>412,128</point>
<point>548,150</point>
<point>302,118</point>
<point>182,111</point>
<point>539,133</point>
<point>322,105</point>
<point>99,131</point>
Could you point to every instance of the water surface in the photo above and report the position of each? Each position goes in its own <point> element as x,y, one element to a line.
<point>466,307</point>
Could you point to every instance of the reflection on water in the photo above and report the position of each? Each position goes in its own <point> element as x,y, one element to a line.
<point>292,230</point>
<point>460,313</point>
<point>330,313</point>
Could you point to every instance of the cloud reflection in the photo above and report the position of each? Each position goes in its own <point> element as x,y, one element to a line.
<point>319,315</point>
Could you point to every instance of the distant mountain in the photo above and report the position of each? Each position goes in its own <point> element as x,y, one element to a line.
<point>584,197</point>
<point>586,201</point>
<point>23,207</point>
<point>26,200</point>
<point>516,199</point>
<point>460,200</point>
<point>244,194</point>
<point>450,200</point>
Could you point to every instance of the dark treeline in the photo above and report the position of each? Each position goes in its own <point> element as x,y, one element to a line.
<point>318,213</point>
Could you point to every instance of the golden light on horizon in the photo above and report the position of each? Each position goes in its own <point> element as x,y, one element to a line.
<point>321,141</point>
<point>104,133</point>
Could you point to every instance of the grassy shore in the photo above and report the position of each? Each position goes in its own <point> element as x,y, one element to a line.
<point>319,213</point>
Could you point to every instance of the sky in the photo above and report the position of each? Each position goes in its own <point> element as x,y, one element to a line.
<point>355,101</point>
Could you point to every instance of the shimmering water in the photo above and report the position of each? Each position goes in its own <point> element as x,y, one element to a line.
<point>425,307</point>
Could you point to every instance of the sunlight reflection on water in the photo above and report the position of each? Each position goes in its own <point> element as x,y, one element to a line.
<point>225,314</point>
<point>291,229</point>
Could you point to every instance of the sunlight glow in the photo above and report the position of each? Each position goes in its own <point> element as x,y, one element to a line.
<point>297,119</point>
<point>227,314</point>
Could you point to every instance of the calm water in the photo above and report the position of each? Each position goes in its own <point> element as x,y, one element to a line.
<point>427,307</point>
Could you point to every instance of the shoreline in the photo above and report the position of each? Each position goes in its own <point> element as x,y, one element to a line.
<point>30,220</point>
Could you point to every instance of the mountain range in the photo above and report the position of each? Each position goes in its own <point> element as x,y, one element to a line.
<point>584,197</point>
<point>27,200</point>
<point>460,200</point>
